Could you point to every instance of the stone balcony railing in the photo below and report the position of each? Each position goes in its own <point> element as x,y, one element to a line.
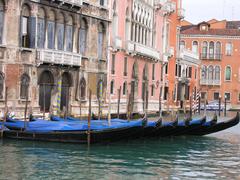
<point>160,3</point>
<point>117,43</point>
<point>77,3</point>
<point>209,82</point>
<point>58,57</point>
<point>142,50</point>
<point>169,7</point>
<point>189,57</point>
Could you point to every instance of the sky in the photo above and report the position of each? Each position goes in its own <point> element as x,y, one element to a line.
<point>203,10</point>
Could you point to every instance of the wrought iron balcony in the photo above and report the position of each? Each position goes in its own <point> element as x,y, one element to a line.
<point>58,57</point>
<point>207,56</point>
<point>208,82</point>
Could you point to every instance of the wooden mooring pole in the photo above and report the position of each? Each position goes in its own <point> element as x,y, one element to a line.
<point>119,99</point>
<point>25,111</point>
<point>5,113</point>
<point>89,118</point>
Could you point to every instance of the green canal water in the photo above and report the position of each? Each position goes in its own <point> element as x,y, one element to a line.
<point>210,157</point>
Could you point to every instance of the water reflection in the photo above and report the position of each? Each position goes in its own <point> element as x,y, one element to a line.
<point>174,158</point>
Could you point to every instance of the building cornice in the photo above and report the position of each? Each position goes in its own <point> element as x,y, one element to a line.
<point>209,36</point>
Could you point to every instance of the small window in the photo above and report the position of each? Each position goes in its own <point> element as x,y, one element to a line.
<point>166,69</point>
<point>112,87</point>
<point>25,80</point>
<point>83,88</point>
<point>229,49</point>
<point>102,2</point>
<point>190,72</point>
<point>125,66</point>
<point>228,73</point>
<point>124,88</point>
<point>216,96</point>
<point>1,85</point>
<point>113,64</point>
<point>203,95</point>
<point>239,97</point>
<point>152,90</point>
<point>227,96</point>
<point>182,45</point>
<point>195,47</point>
<point>153,72</point>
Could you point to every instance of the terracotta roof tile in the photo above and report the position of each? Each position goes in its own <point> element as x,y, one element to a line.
<point>194,30</point>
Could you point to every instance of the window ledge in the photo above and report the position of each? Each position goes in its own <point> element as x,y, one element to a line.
<point>26,49</point>
<point>24,100</point>
<point>3,46</point>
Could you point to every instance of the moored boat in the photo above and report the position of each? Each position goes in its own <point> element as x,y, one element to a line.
<point>64,132</point>
<point>213,126</point>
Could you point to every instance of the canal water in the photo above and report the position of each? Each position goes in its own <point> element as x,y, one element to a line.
<point>211,157</point>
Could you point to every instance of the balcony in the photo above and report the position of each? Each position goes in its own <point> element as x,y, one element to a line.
<point>207,56</point>
<point>117,43</point>
<point>208,82</point>
<point>142,50</point>
<point>169,7</point>
<point>159,3</point>
<point>73,3</point>
<point>130,47</point>
<point>189,57</point>
<point>181,13</point>
<point>147,51</point>
<point>58,57</point>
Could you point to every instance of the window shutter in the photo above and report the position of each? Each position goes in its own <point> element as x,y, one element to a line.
<point>32,31</point>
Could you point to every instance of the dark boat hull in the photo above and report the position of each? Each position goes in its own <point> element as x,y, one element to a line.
<point>105,136</point>
<point>205,130</point>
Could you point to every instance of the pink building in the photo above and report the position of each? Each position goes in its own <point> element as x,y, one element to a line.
<point>137,34</point>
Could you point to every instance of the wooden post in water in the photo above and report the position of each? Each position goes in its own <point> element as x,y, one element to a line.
<point>80,107</point>
<point>119,99</point>
<point>160,103</point>
<point>89,117</point>
<point>146,111</point>
<point>191,99</point>
<point>6,111</point>
<point>25,111</point>
<point>44,100</point>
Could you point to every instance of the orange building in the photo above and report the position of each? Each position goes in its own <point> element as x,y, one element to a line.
<point>217,43</point>
<point>180,71</point>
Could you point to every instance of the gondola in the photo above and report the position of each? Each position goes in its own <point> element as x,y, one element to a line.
<point>188,125</point>
<point>214,126</point>
<point>100,135</point>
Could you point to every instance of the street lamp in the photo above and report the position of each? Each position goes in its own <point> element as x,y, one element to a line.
<point>219,105</point>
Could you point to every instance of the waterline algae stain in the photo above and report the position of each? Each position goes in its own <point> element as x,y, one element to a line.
<point>173,158</point>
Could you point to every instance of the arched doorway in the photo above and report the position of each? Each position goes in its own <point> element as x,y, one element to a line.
<point>145,86</point>
<point>46,83</point>
<point>65,91</point>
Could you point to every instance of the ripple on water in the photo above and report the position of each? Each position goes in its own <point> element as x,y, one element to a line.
<point>170,158</point>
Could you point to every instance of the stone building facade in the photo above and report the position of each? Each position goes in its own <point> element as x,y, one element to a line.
<point>217,43</point>
<point>52,53</point>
